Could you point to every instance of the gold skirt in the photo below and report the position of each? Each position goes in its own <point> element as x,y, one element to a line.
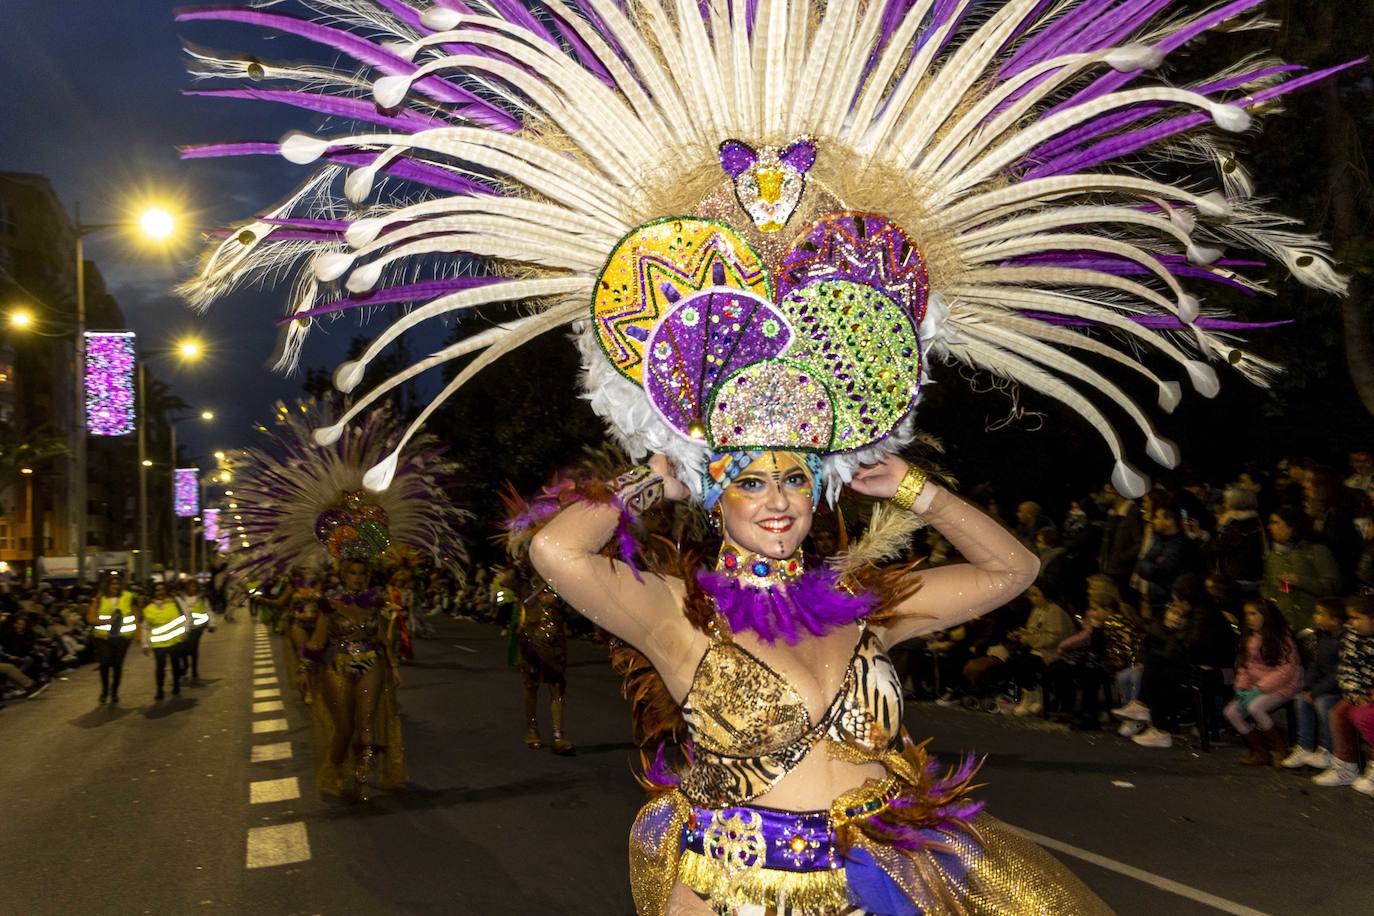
<point>971,867</point>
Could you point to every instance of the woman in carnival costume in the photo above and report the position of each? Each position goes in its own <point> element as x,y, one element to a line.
<point>764,221</point>
<point>297,497</point>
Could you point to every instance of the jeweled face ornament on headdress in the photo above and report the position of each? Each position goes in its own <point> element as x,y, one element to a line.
<point>767,507</point>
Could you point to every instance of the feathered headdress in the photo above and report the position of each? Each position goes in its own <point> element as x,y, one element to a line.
<point>765,219</point>
<point>301,502</point>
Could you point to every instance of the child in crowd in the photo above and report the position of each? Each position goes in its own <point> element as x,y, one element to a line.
<point>1320,692</point>
<point>1104,645</point>
<point>1268,675</point>
<point>1038,641</point>
<point>1352,718</point>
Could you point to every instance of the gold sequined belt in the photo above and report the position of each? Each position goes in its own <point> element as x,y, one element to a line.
<point>764,856</point>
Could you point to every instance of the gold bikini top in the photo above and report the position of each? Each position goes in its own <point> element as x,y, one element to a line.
<point>750,727</point>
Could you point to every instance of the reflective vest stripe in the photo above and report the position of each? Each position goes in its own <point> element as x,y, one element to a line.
<point>168,631</point>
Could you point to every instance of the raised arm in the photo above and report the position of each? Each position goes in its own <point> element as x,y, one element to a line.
<point>998,566</point>
<point>643,609</point>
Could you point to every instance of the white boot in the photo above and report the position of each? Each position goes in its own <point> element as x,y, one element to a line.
<point>1320,758</point>
<point>1134,710</point>
<point>1154,737</point>
<point>1339,773</point>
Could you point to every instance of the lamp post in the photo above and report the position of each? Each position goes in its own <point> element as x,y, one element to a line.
<point>156,224</point>
<point>188,350</point>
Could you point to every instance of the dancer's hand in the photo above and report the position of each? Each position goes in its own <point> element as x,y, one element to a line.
<point>673,489</point>
<point>879,480</point>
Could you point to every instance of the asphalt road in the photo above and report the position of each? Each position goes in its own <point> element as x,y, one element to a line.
<point>148,809</point>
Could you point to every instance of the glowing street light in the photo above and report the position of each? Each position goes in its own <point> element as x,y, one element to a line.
<point>219,456</point>
<point>146,462</point>
<point>190,349</point>
<point>21,319</point>
<point>157,223</point>
<point>207,414</point>
<point>26,470</point>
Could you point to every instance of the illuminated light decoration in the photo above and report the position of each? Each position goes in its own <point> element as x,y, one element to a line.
<point>186,493</point>
<point>211,526</point>
<point>110,362</point>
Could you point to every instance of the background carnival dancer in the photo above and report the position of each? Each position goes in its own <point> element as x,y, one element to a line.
<point>766,224</point>
<point>358,675</point>
<point>302,502</point>
<point>114,618</point>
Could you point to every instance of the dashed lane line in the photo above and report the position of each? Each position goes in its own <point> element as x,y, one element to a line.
<point>266,726</point>
<point>268,706</point>
<point>266,791</point>
<point>266,693</point>
<point>264,681</point>
<point>278,845</point>
<point>266,753</point>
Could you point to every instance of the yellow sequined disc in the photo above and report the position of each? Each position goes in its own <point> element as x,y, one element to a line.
<point>683,253</point>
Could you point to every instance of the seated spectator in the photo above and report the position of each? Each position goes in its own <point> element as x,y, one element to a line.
<point>1190,646</point>
<point>19,646</point>
<point>1320,692</point>
<point>1329,508</point>
<point>1352,718</point>
<point>950,650</point>
<point>1298,570</point>
<point>1104,646</point>
<point>1036,645</point>
<point>1268,675</point>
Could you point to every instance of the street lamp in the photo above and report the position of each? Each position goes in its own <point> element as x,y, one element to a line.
<point>154,223</point>
<point>186,350</point>
<point>207,415</point>
<point>21,319</point>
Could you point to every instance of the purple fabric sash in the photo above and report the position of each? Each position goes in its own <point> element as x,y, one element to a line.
<point>792,840</point>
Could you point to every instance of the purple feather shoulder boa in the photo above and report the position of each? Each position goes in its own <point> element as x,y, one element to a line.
<point>813,604</point>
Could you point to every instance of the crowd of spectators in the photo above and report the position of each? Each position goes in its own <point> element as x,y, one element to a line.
<point>43,632</point>
<point>1196,606</point>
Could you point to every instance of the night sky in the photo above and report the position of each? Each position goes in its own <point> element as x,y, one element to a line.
<point>92,101</point>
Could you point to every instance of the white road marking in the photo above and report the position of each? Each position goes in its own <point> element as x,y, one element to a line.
<point>266,753</point>
<point>1139,874</point>
<point>266,693</point>
<point>268,706</point>
<point>273,790</point>
<point>264,681</point>
<point>263,726</point>
<point>265,669</point>
<point>465,648</point>
<point>280,845</point>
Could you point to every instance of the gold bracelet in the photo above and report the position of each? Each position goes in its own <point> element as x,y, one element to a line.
<point>913,482</point>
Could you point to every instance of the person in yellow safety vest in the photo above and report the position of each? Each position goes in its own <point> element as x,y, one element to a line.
<point>114,621</point>
<point>164,631</point>
<point>197,612</point>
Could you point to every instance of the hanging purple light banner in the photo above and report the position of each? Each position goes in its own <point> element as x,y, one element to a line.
<point>211,526</point>
<point>186,495</point>
<point>110,362</point>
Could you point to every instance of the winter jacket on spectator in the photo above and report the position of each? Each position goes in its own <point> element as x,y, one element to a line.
<point>1169,556</point>
<point>1323,651</point>
<point>1355,671</point>
<point>1236,551</point>
<point>1283,679</point>
<point>1045,629</point>
<point>1314,573</point>
<point>1121,537</point>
